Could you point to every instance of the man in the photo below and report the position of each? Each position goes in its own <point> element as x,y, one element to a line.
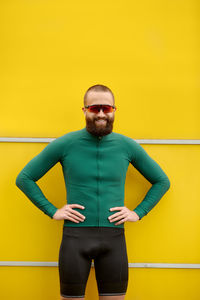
<point>94,161</point>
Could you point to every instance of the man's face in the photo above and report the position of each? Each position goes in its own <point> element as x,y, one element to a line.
<point>101,123</point>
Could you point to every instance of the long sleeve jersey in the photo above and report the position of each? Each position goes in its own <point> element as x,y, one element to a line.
<point>94,170</point>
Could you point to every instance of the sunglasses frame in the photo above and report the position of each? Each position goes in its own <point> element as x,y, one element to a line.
<point>114,107</point>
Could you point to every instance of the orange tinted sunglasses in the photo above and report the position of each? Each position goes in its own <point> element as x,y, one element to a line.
<point>97,107</point>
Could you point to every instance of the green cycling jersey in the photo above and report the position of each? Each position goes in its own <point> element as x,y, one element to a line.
<point>94,170</point>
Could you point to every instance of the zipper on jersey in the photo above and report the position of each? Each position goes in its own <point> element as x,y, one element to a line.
<point>98,179</point>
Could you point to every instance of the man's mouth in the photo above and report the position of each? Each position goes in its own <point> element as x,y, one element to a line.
<point>101,121</point>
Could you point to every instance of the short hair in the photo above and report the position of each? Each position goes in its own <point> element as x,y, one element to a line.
<point>98,88</point>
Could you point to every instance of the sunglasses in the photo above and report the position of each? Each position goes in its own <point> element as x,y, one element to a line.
<point>97,107</point>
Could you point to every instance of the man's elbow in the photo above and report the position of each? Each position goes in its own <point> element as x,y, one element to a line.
<point>19,180</point>
<point>166,182</point>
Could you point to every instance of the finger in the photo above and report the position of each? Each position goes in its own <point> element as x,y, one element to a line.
<point>118,218</point>
<point>75,217</point>
<point>120,222</point>
<point>72,211</point>
<point>71,219</point>
<point>76,205</point>
<point>116,208</point>
<point>116,215</point>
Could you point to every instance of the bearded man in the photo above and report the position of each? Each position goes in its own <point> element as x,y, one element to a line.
<point>94,160</point>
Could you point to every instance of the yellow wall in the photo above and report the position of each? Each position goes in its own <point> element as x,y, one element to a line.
<point>147,52</point>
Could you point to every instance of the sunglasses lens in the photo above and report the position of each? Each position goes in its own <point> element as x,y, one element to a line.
<point>107,109</point>
<point>96,108</point>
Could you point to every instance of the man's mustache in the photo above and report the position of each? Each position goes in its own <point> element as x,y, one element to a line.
<point>101,119</point>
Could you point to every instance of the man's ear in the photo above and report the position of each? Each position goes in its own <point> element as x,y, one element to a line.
<point>84,110</point>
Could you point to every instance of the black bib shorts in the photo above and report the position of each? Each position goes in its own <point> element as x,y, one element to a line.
<point>107,247</point>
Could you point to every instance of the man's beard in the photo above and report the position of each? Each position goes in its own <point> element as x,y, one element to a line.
<point>99,130</point>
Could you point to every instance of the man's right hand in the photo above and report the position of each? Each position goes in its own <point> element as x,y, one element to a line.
<point>68,213</point>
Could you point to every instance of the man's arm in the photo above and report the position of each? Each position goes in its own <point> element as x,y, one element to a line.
<point>34,170</point>
<point>154,174</point>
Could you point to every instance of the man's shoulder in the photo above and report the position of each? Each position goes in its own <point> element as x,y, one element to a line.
<point>124,138</point>
<point>130,145</point>
<point>71,134</point>
<point>67,137</point>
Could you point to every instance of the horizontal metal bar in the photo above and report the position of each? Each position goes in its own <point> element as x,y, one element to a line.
<point>131,265</point>
<point>169,142</point>
<point>164,265</point>
<point>140,141</point>
<point>25,140</point>
<point>29,263</point>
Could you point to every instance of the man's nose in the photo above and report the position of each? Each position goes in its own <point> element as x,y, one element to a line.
<point>101,113</point>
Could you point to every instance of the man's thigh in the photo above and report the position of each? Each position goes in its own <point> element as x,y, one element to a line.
<point>111,267</point>
<point>74,268</point>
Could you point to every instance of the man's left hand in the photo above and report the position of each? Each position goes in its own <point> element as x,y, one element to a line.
<point>123,215</point>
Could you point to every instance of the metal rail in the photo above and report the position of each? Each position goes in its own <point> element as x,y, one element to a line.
<point>131,265</point>
<point>140,141</point>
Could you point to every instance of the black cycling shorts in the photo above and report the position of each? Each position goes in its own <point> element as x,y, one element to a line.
<point>107,247</point>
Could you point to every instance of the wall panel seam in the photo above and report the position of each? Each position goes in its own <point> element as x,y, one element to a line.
<point>140,141</point>
<point>131,265</point>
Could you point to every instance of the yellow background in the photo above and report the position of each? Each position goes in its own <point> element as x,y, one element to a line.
<point>147,52</point>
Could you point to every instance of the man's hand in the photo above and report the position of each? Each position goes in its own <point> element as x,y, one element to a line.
<point>67,212</point>
<point>123,215</point>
